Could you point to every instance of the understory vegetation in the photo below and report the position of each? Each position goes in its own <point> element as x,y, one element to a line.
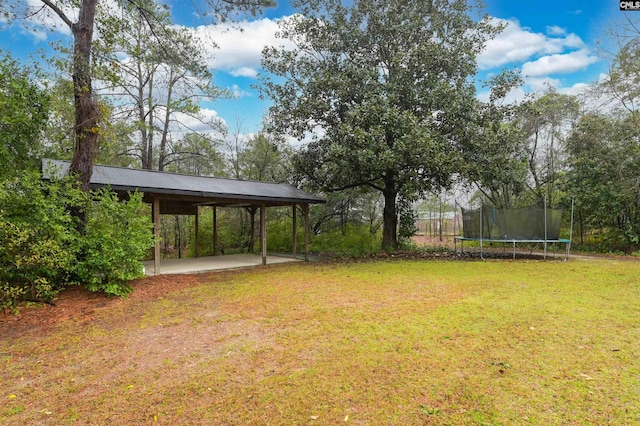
<point>43,248</point>
<point>384,342</point>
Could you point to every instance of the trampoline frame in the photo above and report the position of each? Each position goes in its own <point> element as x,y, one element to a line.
<point>544,241</point>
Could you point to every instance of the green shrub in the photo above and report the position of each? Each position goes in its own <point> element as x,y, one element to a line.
<point>280,236</point>
<point>407,219</point>
<point>117,234</point>
<point>36,239</point>
<point>356,241</point>
<point>42,249</point>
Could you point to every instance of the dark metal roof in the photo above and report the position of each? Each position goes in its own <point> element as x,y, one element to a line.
<point>174,184</point>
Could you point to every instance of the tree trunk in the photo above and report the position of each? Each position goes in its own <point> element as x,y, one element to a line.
<point>162,156</point>
<point>390,219</point>
<point>87,111</point>
<point>150,125</point>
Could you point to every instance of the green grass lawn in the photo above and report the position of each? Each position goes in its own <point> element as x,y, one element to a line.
<point>385,342</point>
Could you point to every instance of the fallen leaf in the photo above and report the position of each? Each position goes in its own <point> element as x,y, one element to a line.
<point>314,417</point>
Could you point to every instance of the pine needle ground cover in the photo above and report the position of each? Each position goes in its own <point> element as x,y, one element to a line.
<point>381,342</point>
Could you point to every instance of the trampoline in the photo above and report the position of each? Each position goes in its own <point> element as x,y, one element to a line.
<point>534,224</point>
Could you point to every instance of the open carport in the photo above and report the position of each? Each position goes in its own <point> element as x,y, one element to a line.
<point>179,194</point>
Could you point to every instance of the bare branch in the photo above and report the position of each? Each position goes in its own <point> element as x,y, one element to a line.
<point>54,7</point>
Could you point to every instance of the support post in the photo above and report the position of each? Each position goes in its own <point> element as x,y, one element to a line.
<point>156,234</point>
<point>481,208</point>
<point>545,227</point>
<point>455,219</point>
<point>263,233</point>
<point>215,230</point>
<point>196,251</point>
<point>252,228</point>
<point>568,246</point>
<point>305,209</point>
<point>294,210</point>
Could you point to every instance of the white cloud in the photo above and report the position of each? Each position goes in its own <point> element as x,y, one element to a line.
<point>244,72</point>
<point>576,89</point>
<point>555,30</point>
<point>516,44</point>
<point>207,122</point>
<point>239,45</point>
<point>237,92</point>
<point>541,84</point>
<point>559,64</point>
<point>537,85</point>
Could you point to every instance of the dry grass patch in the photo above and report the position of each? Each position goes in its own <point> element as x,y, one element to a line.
<point>404,342</point>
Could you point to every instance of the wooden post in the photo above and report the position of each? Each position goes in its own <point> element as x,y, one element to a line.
<point>215,230</point>
<point>263,233</point>
<point>305,208</point>
<point>156,234</point>
<point>196,251</point>
<point>252,232</point>
<point>295,234</point>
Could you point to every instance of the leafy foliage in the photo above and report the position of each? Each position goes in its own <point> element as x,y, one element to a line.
<point>354,240</point>
<point>408,217</point>
<point>604,176</point>
<point>389,84</point>
<point>117,235</point>
<point>36,239</point>
<point>42,250</point>
<point>23,113</point>
<point>164,76</point>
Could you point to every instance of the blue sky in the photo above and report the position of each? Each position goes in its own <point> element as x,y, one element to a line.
<point>552,42</point>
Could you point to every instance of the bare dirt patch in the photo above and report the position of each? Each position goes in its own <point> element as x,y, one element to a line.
<point>80,305</point>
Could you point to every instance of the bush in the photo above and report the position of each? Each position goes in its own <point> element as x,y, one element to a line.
<point>42,250</point>
<point>117,234</point>
<point>36,239</point>
<point>356,241</point>
<point>407,219</point>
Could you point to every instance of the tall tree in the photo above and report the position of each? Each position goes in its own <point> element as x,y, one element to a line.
<point>387,87</point>
<point>496,163</point>
<point>604,174</point>
<point>263,159</point>
<point>157,80</point>
<point>113,138</point>
<point>620,87</point>
<point>546,122</point>
<point>196,155</point>
<point>24,109</point>
<point>80,18</point>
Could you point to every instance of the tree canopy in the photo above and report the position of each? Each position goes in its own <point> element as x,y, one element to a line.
<point>81,18</point>
<point>387,89</point>
<point>24,109</point>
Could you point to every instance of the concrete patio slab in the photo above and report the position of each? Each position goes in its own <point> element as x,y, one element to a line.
<point>212,263</point>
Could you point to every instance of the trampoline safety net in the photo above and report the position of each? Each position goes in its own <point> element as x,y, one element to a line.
<point>526,223</point>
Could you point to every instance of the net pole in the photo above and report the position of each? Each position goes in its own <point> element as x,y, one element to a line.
<point>570,230</point>
<point>545,227</point>
<point>455,239</point>
<point>440,219</point>
<point>455,216</point>
<point>481,208</point>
